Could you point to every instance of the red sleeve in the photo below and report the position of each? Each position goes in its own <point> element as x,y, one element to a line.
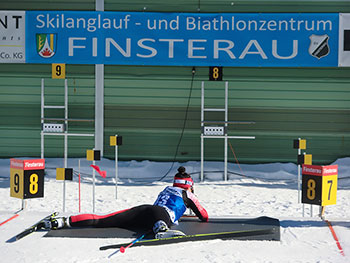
<point>197,208</point>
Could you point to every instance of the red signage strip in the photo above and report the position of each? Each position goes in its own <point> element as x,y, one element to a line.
<point>34,164</point>
<point>16,164</point>
<point>320,170</point>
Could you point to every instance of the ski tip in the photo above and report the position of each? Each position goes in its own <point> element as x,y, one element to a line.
<point>12,239</point>
<point>122,249</point>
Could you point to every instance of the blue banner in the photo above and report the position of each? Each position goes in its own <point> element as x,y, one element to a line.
<point>183,39</point>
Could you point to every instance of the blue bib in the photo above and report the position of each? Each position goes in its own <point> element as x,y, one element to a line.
<point>171,199</point>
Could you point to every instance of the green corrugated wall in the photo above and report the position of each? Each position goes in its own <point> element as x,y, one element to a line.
<point>149,111</point>
<point>147,105</point>
<point>20,98</point>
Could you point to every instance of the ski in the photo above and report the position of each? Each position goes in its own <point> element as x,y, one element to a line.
<point>37,226</point>
<point>197,237</point>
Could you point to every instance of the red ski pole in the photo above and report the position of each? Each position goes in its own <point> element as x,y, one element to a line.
<point>122,249</point>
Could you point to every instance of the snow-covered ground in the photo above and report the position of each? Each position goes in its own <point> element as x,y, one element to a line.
<point>266,190</point>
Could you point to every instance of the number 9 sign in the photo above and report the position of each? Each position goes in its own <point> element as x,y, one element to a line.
<point>58,71</point>
<point>27,178</point>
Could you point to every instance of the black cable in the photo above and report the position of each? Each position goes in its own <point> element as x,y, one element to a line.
<point>183,126</point>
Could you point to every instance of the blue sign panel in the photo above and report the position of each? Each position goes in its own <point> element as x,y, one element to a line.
<point>183,39</point>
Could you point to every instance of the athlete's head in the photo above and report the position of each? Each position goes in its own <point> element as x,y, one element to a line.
<point>183,179</point>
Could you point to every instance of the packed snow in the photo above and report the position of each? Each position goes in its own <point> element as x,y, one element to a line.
<point>250,191</point>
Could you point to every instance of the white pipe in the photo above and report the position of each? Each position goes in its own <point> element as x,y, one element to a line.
<point>116,169</point>
<point>42,121</point>
<point>69,134</point>
<point>65,140</point>
<point>93,187</point>
<point>99,106</point>
<point>202,139</point>
<point>229,137</point>
<point>99,95</point>
<point>202,158</point>
<point>226,119</point>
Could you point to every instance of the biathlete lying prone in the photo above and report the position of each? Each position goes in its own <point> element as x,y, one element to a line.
<point>170,205</point>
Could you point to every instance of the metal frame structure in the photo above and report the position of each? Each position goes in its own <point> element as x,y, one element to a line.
<point>213,136</point>
<point>64,133</point>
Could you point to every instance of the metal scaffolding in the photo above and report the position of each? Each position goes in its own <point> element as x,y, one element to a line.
<point>219,131</point>
<point>58,129</point>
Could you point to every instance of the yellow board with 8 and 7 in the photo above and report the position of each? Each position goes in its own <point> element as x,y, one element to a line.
<point>319,184</point>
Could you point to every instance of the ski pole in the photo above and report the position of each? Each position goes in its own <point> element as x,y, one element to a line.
<point>122,249</point>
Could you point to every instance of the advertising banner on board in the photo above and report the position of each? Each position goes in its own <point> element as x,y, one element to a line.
<point>344,40</point>
<point>183,39</point>
<point>12,36</point>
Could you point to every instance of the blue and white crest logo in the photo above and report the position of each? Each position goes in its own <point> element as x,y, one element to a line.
<point>319,46</point>
<point>46,45</point>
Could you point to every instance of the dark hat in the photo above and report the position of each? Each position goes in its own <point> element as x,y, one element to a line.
<point>182,179</point>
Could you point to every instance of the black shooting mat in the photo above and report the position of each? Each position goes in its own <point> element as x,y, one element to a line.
<point>188,225</point>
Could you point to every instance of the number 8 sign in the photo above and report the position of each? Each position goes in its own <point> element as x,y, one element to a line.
<point>319,184</point>
<point>215,73</point>
<point>27,178</point>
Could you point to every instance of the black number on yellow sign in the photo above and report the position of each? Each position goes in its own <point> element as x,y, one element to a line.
<point>16,183</point>
<point>58,70</point>
<point>329,193</point>
<point>330,188</point>
<point>215,73</point>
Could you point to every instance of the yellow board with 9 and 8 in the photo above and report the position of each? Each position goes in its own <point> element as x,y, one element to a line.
<point>27,178</point>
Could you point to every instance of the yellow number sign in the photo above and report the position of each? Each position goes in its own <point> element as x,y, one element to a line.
<point>329,190</point>
<point>16,183</point>
<point>58,71</point>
